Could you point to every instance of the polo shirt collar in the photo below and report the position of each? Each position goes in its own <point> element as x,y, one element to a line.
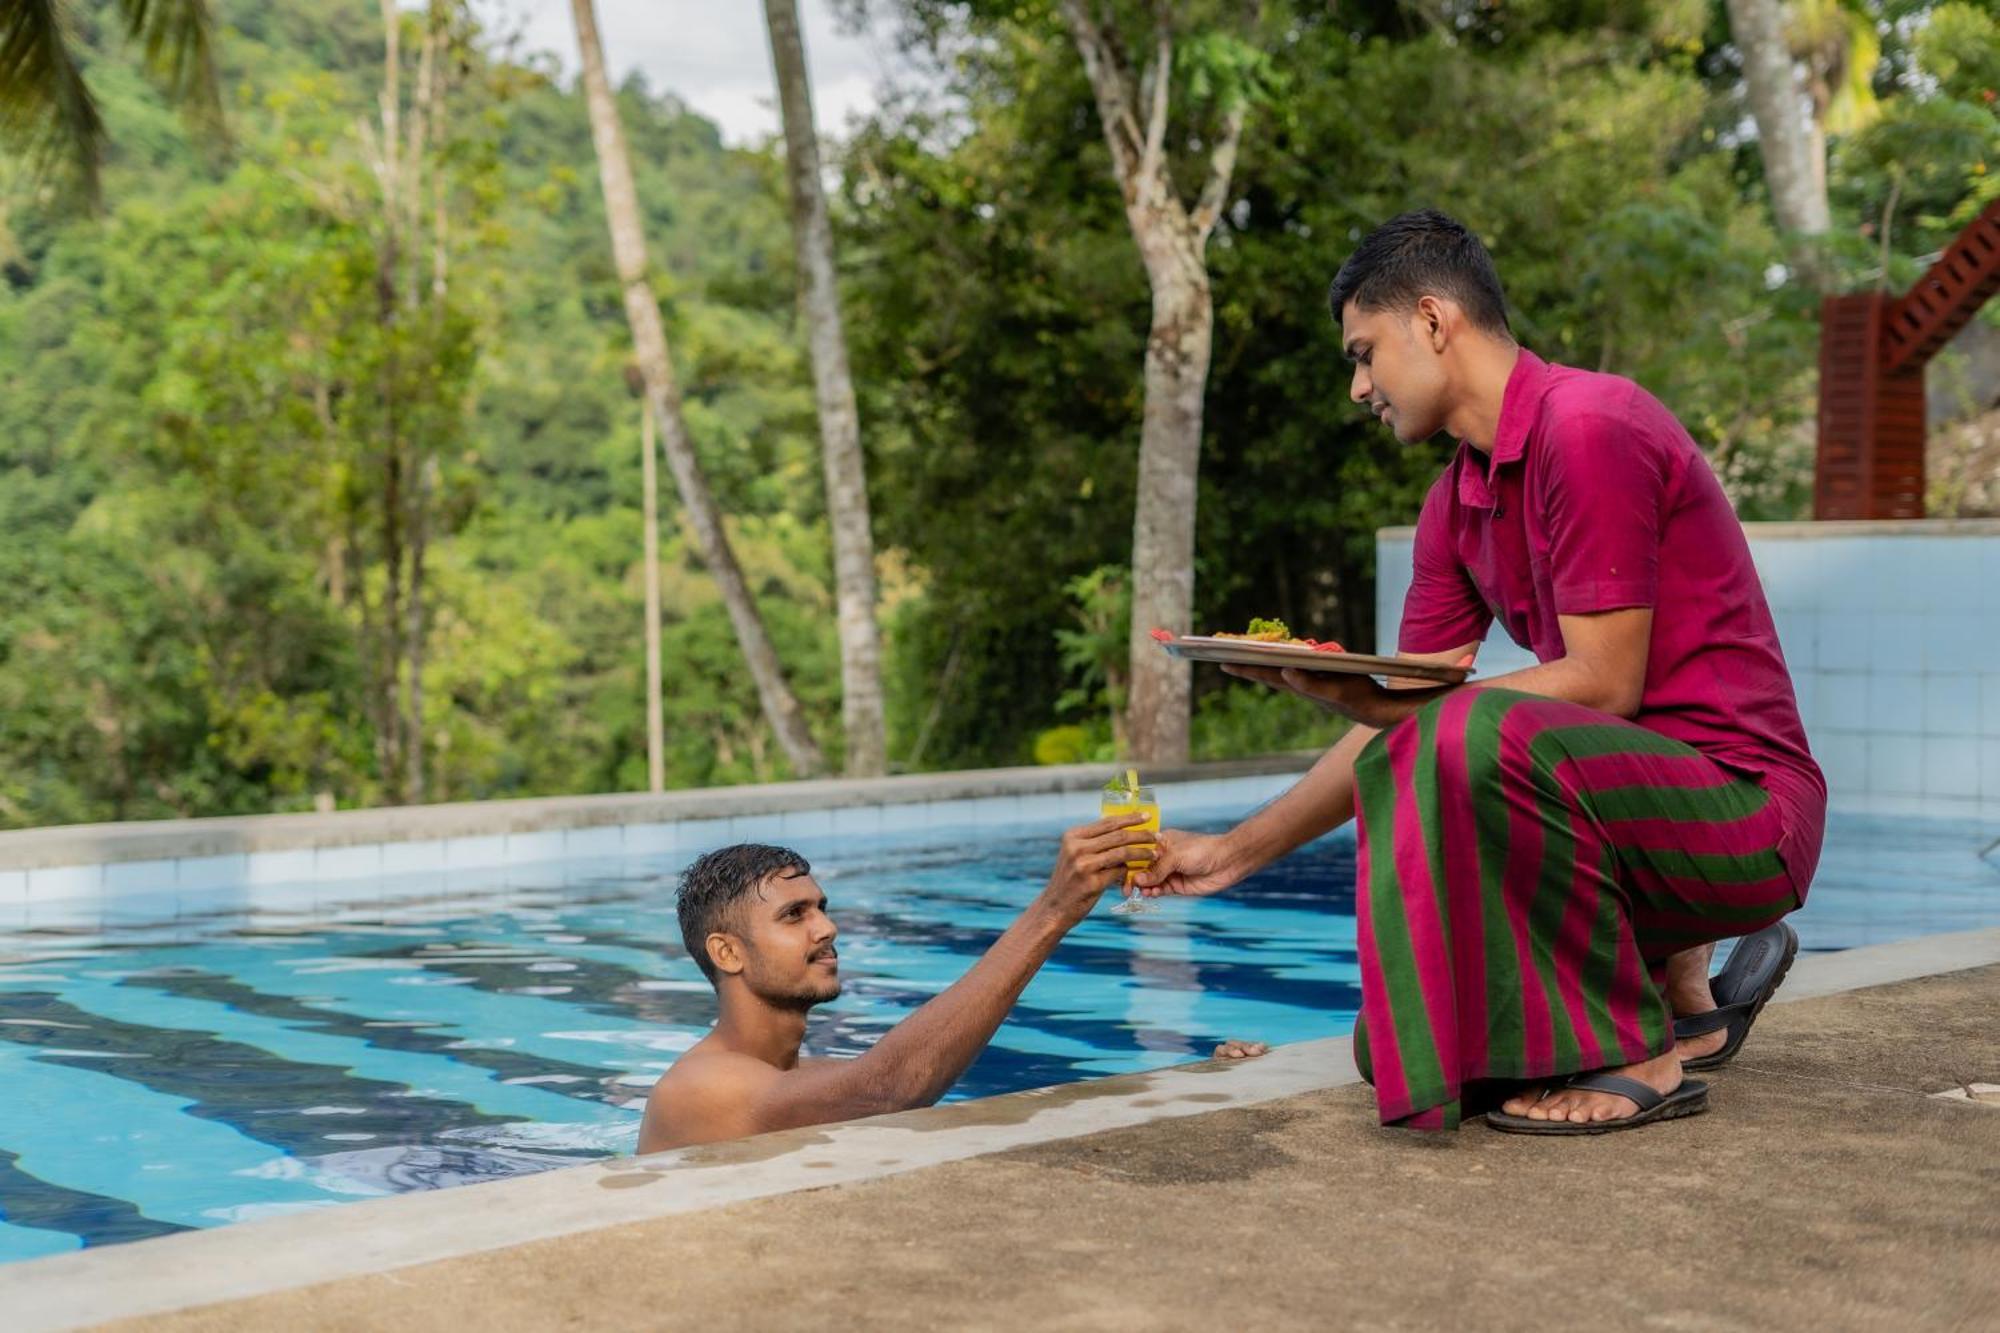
<point>1519,406</point>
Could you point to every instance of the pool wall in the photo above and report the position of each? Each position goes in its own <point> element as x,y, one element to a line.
<point>300,861</point>
<point>1892,631</point>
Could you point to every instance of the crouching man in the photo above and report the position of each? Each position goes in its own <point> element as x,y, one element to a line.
<point>757,925</point>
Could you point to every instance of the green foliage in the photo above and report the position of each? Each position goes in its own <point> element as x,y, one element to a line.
<point>1064,745</point>
<point>191,525</point>
<point>1096,651</point>
<point>1242,719</point>
<point>1927,166</point>
<point>189,395</point>
<point>1960,46</point>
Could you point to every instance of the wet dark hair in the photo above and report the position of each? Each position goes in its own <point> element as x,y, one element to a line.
<point>1416,254</point>
<point>718,881</point>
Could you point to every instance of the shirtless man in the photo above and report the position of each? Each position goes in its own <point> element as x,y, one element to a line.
<point>756,924</point>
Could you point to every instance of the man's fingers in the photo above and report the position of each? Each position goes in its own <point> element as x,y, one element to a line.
<point>1262,675</point>
<point>1108,824</point>
<point>1119,837</point>
<point>1104,862</point>
<point>1098,828</point>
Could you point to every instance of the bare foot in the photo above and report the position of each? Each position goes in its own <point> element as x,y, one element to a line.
<point>1662,1074</point>
<point>1234,1049</point>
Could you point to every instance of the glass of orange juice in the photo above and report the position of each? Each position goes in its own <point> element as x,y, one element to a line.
<point>1124,796</point>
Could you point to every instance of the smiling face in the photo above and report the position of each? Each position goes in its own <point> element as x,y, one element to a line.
<point>1400,370</point>
<point>782,947</point>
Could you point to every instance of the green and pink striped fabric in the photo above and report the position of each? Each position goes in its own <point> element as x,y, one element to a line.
<point>1526,867</point>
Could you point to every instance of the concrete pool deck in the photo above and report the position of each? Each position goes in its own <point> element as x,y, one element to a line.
<point>1829,1184</point>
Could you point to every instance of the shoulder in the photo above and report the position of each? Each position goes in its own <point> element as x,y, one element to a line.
<point>1582,405</point>
<point>1590,422</point>
<point>705,1076</point>
<point>705,1095</point>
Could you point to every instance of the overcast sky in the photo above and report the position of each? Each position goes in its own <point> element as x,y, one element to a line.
<point>714,54</point>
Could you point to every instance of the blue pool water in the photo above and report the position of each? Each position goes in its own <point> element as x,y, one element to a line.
<point>161,1075</point>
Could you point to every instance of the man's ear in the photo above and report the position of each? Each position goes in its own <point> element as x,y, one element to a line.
<point>725,951</point>
<point>1433,320</point>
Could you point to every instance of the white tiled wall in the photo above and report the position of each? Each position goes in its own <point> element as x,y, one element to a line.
<point>1894,645</point>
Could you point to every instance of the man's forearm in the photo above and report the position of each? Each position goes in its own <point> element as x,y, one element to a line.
<point>1566,678</point>
<point>1314,806</point>
<point>922,1056</point>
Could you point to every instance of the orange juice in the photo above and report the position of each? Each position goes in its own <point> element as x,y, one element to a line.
<point>1136,802</point>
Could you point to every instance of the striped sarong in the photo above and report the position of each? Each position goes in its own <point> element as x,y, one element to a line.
<point>1526,866</point>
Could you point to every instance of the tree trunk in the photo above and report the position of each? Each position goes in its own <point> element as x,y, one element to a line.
<point>426,140</point>
<point>1798,191</point>
<point>413,636</point>
<point>1171,239</point>
<point>839,423</point>
<point>649,341</point>
<point>656,730</point>
<point>1177,355</point>
<point>389,171</point>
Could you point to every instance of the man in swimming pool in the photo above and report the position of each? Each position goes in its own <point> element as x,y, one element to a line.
<point>756,924</point>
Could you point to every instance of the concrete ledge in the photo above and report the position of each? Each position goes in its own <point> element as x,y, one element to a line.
<point>248,1259</point>
<point>164,840</point>
<point>252,1258</point>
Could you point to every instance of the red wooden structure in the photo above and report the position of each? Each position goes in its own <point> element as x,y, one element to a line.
<point>1872,352</point>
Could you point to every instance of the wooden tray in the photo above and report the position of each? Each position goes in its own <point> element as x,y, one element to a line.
<point>1249,652</point>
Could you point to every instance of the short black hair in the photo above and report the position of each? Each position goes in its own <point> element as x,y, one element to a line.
<point>717,882</point>
<point>1416,254</point>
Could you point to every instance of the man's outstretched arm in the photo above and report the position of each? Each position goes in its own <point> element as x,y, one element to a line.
<point>1318,803</point>
<point>916,1061</point>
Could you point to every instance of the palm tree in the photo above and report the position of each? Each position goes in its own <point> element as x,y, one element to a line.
<point>46,106</point>
<point>839,423</point>
<point>663,399</point>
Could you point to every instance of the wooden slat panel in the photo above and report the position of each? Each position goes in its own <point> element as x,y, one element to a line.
<point>1946,298</point>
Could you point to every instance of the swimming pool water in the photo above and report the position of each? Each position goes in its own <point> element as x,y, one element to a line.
<point>161,1075</point>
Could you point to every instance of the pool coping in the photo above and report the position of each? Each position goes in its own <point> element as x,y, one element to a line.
<point>345,1240</point>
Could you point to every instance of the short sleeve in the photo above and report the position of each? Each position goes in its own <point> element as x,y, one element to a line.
<point>1443,609</point>
<point>1603,491</point>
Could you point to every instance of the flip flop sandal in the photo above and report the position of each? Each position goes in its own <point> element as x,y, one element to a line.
<point>1755,970</point>
<point>1690,1098</point>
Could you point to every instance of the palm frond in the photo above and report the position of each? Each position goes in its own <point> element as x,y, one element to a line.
<point>45,107</point>
<point>178,37</point>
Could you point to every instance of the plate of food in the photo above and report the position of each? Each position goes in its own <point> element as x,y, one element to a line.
<point>1268,643</point>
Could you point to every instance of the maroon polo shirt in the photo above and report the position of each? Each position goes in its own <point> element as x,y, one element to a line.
<point>1595,499</point>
